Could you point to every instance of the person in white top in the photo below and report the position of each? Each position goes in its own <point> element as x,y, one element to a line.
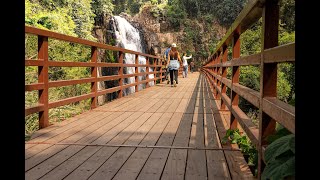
<point>185,65</point>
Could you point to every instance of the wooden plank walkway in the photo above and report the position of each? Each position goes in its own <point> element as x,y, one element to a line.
<point>161,132</point>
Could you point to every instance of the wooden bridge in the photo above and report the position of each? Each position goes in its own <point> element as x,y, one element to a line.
<point>160,132</point>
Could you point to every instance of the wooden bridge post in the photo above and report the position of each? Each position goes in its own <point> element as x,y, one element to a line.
<point>214,77</point>
<point>154,69</point>
<point>136,70</point>
<point>160,63</point>
<point>268,74</point>
<point>235,76</point>
<point>43,78</point>
<point>224,75</point>
<point>218,73</point>
<point>120,73</point>
<point>94,74</point>
<point>147,71</point>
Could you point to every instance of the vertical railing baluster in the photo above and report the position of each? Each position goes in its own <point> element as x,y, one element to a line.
<point>120,73</point>
<point>215,77</point>
<point>224,75</point>
<point>94,74</point>
<point>136,71</point>
<point>235,77</point>
<point>160,63</point>
<point>154,69</point>
<point>147,71</point>
<point>268,74</point>
<point>43,78</point>
<point>218,73</point>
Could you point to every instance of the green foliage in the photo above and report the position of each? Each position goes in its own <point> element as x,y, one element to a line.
<point>70,17</point>
<point>250,77</point>
<point>283,87</point>
<point>287,14</point>
<point>234,137</point>
<point>228,10</point>
<point>176,15</point>
<point>158,10</point>
<point>102,7</point>
<point>280,132</point>
<point>280,158</point>
<point>56,20</point>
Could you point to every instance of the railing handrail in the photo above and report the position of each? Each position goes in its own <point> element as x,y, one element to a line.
<point>271,109</point>
<point>63,37</point>
<point>44,84</point>
<point>248,16</point>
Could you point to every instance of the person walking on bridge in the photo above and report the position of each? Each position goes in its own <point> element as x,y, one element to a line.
<point>165,55</point>
<point>185,65</point>
<point>174,61</point>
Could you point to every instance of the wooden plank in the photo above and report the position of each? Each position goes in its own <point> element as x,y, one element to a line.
<point>75,129</point>
<point>154,165</point>
<point>182,106</point>
<point>237,165</point>
<point>104,119</point>
<point>175,166</point>
<point>217,165</point>
<point>46,166</point>
<point>85,170</point>
<point>65,129</point>
<point>280,111</point>
<point>128,131</point>
<point>71,138</point>
<point>211,136</point>
<point>115,120</point>
<point>174,105</point>
<point>143,130</point>
<point>60,124</point>
<point>106,137</point>
<point>142,103</point>
<point>155,132</point>
<point>283,53</point>
<point>196,161</point>
<point>176,163</point>
<point>165,106</point>
<point>34,109</point>
<point>72,163</point>
<point>43,155</point>
<point>149,105</point>
<point>109,168</point>
<point>196,165</point>
<point>132,167</point>
<point>34,86</point>
<point>155,107</point>
<point>156,161</point>
<point>112,165</point>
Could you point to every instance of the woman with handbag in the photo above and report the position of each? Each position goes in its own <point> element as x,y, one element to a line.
<point>174,61</point>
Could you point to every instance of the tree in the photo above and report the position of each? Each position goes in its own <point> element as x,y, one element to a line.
<point>228,10</point>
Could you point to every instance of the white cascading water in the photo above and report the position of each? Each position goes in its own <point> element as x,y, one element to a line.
<point>128,37</point>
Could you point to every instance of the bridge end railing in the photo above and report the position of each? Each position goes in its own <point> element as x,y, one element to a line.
<point>43,63</point>
<point>271,109</point>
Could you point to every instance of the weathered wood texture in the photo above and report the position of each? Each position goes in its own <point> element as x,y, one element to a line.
<point>151,134</point>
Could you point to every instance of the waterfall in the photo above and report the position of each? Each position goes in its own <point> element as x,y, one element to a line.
<point>128,37</point>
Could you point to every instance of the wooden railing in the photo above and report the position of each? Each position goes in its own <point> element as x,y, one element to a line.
<point>271,110</point>
<point>43,63</point>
